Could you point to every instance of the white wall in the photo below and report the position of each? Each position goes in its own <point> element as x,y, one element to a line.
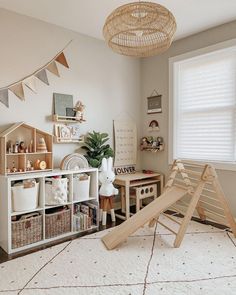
<point>107,83</point>
<point>155,75</point>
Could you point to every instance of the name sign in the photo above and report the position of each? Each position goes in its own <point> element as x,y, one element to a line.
<point>124,170</point>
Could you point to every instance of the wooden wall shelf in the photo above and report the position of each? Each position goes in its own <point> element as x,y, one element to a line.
<point>58,139</point>
<point>153,149</point>
<point>66,119</point>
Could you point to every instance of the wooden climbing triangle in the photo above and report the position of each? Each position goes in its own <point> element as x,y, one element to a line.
<point>191,190</point>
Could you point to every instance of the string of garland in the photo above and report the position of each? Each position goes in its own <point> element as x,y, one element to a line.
<point>30,80</point>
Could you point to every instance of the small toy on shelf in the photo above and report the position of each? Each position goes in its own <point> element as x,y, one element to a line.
<point>21,147</point>
<point>13,169</point>
<point>15,147</point>
<point>79,108</point>
<point>9,147</point>
<point>29,166</point>
<point>152,144</point>
<point>30,147</point>
<point>40,165</point>
<point>41,147</point>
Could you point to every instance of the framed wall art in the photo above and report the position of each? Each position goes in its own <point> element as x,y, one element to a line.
<point>67,133</point>
<point>154,104</point>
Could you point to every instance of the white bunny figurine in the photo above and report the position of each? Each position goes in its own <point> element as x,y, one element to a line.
<point>107,190</point>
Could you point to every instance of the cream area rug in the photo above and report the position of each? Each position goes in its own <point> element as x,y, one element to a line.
<point>147,264</point>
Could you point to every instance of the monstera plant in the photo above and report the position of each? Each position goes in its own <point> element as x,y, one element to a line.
<point>96,149</point>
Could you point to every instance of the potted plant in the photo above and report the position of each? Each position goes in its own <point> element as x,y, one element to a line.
<point>96,149</point>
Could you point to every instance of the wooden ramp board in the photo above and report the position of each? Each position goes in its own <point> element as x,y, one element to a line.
<point>120,233</point>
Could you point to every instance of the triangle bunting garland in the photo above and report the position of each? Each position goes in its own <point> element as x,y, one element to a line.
<point>52,67</point>
<point>30,81</point>
<point>4,97</point>
<point>62,60</point>
<point>18,90</point>
<point>42,76</point>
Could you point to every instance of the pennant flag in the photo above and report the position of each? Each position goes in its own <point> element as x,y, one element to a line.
<point>62,60</point>
<point>42,76</point>
<point>31,83</point>
<point>18,90</point>
<point>52,67</point>
<point>4,97</point>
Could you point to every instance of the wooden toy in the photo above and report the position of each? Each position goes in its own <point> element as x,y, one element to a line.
<point>194,191</point>
<point>41,147</point>
<point>21,147</point>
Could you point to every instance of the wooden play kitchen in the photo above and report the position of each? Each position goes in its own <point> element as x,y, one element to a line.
<point>192,190</point>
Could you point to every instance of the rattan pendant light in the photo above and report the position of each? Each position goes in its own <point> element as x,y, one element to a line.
<point>140,29</point>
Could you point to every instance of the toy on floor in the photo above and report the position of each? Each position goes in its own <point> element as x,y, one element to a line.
<point>107,190</point>
<point>192,191</point>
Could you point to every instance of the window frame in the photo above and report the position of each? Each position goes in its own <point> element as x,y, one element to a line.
<point>172,104</point>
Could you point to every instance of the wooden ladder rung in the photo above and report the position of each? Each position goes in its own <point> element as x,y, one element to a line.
<point>171,218</point>
<point>168,228</point>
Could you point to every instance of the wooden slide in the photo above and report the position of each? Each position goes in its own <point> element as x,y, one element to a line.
<point>120,233</point>
<point>196,189</point>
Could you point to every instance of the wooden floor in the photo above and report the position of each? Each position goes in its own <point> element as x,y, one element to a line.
<point>5,257</point>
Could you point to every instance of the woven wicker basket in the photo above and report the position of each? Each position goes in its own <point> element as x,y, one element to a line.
<point>57,223</point>
<point>27,231</point>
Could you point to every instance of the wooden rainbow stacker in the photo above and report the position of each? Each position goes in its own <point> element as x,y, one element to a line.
<point>191,190</point>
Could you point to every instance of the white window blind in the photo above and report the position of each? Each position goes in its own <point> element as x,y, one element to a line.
<point>204,125</point>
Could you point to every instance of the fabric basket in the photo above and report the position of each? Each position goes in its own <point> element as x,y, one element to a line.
<point>56,191</point>
<point>81,189</point>
<point>57,223</point>
<point>27,230</point>
<point>25,198</point>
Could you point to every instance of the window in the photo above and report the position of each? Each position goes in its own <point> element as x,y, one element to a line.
<point>203,107</point>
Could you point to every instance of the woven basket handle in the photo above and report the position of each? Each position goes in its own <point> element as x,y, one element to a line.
<point>29,215</point>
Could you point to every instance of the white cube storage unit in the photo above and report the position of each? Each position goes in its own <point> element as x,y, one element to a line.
<point>12,200</point>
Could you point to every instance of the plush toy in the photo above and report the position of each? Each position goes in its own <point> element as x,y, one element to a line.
<point>79,108</point>
<point>107,190</point>
<point>106,178</point>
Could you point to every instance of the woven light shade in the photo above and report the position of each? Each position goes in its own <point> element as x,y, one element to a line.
<point>140,29</point>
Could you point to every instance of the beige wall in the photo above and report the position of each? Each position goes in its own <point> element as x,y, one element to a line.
<point>107,83</point>
<point>155,75</point>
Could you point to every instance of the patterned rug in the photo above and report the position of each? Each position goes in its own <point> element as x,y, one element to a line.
<point>147,264</point>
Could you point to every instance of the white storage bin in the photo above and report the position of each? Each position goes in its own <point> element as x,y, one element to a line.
<point>81,188</point>
<point>56,191</point>
<point>24,199</point>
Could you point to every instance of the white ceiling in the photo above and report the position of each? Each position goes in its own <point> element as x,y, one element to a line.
<point>88,16</point>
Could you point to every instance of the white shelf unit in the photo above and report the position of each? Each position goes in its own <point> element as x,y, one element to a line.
<point>6,212</point>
